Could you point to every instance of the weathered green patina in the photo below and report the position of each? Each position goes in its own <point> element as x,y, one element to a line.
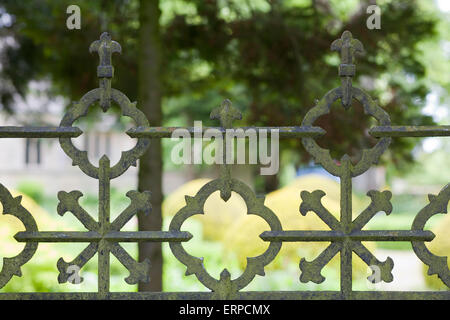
<point>345,235</point>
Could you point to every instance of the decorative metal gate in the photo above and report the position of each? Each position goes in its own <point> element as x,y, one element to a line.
<point>345,235</point>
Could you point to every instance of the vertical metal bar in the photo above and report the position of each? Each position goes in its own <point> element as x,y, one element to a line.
<point>346,222</point>
<point>103,218</point>
<point>225,168</point>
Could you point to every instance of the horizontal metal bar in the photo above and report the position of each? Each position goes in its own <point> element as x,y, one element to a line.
<point>410,131</point>
<point>148,236</point>
<point>246,295</point>
<point>392,235</point>
<point>361,235</point>
<point>166,132</point>
<point>39,132</point>
<point>58,236</point>
<point>114,236</point>
<point>294,236</point>
<point>337,295</point>
<point>106,296</point>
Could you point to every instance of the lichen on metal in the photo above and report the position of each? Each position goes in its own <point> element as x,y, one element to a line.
<point>346,234</point>
<point>12,206</point>
<point>225,287</point>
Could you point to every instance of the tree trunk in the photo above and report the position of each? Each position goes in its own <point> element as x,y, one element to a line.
<point>271,183</point>
<point>150,166</point>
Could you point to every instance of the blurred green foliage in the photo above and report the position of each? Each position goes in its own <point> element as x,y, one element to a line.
<point>33,189</point>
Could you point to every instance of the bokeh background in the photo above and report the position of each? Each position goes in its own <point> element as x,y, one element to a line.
<point>272,59</point>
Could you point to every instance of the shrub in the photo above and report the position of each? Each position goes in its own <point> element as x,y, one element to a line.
<point>33,189</point>
<point>219,215</point>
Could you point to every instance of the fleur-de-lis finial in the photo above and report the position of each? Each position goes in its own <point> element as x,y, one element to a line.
<point>348,47</point>
<point>105,47</point>
<point>226,113</point>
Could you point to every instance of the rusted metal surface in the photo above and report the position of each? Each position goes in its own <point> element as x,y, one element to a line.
<point>345,235</point>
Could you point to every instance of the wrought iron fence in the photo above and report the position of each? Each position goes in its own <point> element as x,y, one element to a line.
<point>345,235</point>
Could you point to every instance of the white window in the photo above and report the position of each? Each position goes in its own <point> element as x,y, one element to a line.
<point>33,152</point>
<point>97,144</point>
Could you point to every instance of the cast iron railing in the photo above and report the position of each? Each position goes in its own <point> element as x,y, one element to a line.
<point>345,237</point>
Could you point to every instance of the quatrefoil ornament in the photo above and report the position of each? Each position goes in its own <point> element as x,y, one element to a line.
<point>225,287</point>
<point>369,156</point>
<point>80,109</point>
